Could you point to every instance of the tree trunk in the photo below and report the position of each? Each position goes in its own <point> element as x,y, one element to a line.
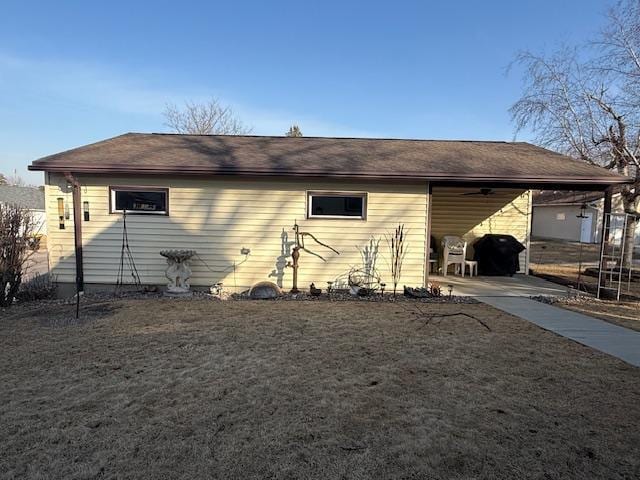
<point>629,240</point>
<point>629,204</point>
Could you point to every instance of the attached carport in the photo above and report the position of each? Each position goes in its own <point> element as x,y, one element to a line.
<point>476,207</point>
<point>471,212</point>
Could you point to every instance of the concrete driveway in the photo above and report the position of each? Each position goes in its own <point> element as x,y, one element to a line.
<point>519,285</point>
<point>606,337</point>
<point>512,295</point>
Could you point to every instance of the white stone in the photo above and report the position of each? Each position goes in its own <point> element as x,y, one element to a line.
<point>178,271</point>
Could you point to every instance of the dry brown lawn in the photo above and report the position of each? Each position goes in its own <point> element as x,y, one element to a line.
<point>558,252</point>
<point>625,314</point>
<point>201,389</point>
<point>559,261</point>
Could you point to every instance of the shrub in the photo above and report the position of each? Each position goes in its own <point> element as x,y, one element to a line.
<point>16,246</point>
<point>40,287</point>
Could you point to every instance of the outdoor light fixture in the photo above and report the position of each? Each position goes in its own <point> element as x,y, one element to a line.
<point>85,209</point>
<point>382,286</point>
<point>61,212</point>
<point>583,211</point>
<point>329,286</point>
<point>67,215</point>
<point>450,287</point>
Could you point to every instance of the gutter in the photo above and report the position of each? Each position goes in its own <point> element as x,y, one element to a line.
<point>574,204</point>
<point>109,169</point>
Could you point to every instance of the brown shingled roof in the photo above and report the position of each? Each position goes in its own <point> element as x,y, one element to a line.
<point>443,160</point>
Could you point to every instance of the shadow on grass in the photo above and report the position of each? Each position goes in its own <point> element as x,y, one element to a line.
<point>65,315</point>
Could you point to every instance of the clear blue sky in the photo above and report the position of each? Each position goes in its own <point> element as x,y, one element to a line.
<point>75,72</point>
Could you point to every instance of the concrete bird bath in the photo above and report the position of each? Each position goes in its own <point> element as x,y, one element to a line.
<point>178,272</point>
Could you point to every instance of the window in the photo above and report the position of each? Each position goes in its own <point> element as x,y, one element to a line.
<point>561,216</point>
<point>139,200</point>
<point>337,205</point>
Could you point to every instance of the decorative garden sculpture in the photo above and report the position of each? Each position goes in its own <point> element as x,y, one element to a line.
<point>295,253</point>
<point>178,271</point>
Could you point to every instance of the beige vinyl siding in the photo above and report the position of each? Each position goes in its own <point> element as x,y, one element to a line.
<point>507,211</point>
<point>219,217</point>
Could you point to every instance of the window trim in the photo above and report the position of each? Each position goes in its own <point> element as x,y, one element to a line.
<point>136,188</point>
<point>322,193</point>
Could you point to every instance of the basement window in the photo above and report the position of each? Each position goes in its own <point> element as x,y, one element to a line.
<point>337,205</point>
<point>146,201</point>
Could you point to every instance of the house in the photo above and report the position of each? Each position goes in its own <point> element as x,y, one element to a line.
<point>572,216</point>
<point>235,199</point>
<point>31,198</point>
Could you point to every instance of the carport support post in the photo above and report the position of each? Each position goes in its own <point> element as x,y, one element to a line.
<point>77,231</point>
<point>604,233</point>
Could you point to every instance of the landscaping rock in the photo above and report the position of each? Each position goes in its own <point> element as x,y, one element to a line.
<point>264,291</point>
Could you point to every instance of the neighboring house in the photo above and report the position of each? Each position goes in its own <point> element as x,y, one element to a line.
<point>573,216</point>
<point>226,195</point>
<point>31,198</point>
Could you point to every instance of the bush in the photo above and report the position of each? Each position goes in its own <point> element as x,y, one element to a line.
<point>40,287</point>
<point>35,241</point>
<point>16,240</point>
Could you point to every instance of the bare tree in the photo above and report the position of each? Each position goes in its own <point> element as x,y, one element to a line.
<point>294,131</point>
<point>17,244</point>
<point>619,48</point>
<point>585,101</point>
<point>209,118</point>
<point>14,179</point>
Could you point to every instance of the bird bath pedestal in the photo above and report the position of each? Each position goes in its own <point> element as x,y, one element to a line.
<point>178,272</point>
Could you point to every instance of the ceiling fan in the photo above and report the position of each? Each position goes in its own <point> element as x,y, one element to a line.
<point>482,191</point>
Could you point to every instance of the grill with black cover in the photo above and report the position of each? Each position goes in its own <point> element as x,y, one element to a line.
<point>497,255</point>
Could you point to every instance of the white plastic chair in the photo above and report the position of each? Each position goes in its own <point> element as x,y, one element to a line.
<point>454,252</point>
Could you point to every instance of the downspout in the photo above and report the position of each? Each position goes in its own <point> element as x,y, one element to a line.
<point>427,236</point>
<point>77,230</point>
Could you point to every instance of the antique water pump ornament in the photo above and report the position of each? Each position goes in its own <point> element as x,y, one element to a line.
<point>178,271</point>
<point>295,253</point>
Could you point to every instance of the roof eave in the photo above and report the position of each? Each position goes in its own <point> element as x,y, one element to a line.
<point>588,203</point>
<point>111,169</point>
